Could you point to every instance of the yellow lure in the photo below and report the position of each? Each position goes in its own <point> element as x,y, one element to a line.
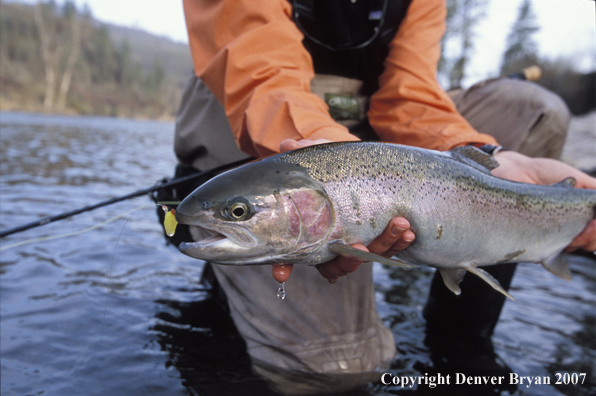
<point>170,222</point>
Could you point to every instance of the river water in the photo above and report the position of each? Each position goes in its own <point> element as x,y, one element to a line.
<point>116,311</point>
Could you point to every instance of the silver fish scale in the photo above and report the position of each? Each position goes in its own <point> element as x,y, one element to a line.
<point>456,211</point>
<point>363,182</point>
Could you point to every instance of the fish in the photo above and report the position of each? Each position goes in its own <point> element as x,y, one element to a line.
<point>307,206</point>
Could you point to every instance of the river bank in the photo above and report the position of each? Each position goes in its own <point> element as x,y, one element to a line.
<point>580,147</point>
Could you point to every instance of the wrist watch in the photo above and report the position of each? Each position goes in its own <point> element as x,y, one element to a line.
<point>491,149</point>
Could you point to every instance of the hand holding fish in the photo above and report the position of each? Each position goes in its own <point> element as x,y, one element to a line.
<point>394,238</point>
<point>518,167</point>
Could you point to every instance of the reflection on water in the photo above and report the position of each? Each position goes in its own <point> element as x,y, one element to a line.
<point>116,311</point>
<point>206,349</point>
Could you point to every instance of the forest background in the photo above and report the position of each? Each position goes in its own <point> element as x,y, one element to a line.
<point>57,58</point>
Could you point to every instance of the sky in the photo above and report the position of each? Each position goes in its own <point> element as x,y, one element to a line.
<point>567,28</point>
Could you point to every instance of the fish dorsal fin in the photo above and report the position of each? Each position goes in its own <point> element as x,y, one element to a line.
<point>452,277</point>
<point>474,157</point>
<point>488,278</point>
<point>348,251</point>
<point>557,265</point>
<point>568,182</point>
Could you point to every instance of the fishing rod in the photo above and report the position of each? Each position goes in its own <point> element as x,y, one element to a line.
<point>531,73</point>
<point>51,219</point>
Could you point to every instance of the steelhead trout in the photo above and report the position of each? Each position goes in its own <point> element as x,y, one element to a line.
<point>309,205</point>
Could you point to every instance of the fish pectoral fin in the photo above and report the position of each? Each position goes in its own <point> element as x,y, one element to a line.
<point>488,278</point>
<point>452,277</point>
<point>348,251</point>
<point>557,265</point>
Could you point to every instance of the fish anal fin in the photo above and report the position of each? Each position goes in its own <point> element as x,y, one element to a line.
<point>348,251</point>
<point>488,278</point>
<point>452,277</point>
<point>557,265</point>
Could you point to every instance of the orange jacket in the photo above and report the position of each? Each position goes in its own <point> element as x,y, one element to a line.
<point>249,53</point>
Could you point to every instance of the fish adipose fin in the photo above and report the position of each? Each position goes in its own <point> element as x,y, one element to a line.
<point>488,278</point>
<point>452,277</point>
<point>350,252</point>
<point>474,157</point>
<point>568,182</point>
<point>558,266</point>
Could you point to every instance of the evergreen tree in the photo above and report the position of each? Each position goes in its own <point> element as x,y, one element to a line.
<point>124,72</point>
<point>522,50</point>
<point>155,79</point>
<point>102,56</point>
<point>462,17</point>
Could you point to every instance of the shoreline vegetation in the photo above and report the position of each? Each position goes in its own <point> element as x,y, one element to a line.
<point>57,59</point>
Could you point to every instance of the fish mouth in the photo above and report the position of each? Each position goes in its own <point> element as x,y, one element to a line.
<point>215,235</point>
<point>217,244</point>
<point>212,238</point>
<point>220,249</point>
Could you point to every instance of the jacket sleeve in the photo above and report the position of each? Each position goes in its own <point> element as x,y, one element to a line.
<point>249,53</point>
<point>410,107</point>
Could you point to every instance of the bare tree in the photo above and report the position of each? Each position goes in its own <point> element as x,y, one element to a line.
<point>75,49</point>
<point>53,43</point>
<point>51,49</point>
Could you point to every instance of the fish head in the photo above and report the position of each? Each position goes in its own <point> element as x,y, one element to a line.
<point>263,212</point>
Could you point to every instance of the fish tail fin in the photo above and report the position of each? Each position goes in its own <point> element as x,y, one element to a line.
<point>557,265</point>
<point>488,278</point>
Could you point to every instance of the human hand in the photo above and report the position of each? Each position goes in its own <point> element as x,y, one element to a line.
<point>291,144</point>
<point>396,237</point>
<point>518,167</point>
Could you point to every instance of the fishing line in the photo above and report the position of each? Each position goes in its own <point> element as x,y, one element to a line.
<point>105,308</point>
<point>49,238</point>
<point>161,186</point>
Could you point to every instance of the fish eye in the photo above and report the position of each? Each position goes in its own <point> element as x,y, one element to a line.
<point>238,210</point>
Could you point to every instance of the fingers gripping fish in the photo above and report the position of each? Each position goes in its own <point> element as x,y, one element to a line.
<point>309,205</point>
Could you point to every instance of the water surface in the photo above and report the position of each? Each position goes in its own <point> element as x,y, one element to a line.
<point>116,311</point>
